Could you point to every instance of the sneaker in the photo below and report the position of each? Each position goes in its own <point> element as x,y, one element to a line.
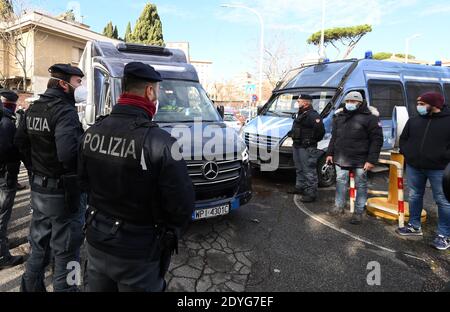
<point>441,242</point>
<point>409,230</point>
<point>307,199</point>
<point>11,262</point>
<point>356,219</point>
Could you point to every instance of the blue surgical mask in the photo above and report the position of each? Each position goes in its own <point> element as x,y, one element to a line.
<point>351,107</point>
<point>423,110</point>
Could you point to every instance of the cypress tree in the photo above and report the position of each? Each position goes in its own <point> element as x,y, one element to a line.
<point>148,29</point>
<point>115,33</point>
<point>128,34</point>
<point>108,31</point>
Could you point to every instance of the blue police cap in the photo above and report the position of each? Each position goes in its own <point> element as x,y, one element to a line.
<point>142,71</point>
<point>9,95</point>
<point>66,69</point>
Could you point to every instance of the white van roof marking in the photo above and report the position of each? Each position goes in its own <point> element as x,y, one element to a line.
<point>383,76</point>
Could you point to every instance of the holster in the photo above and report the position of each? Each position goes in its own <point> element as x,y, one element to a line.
<point>72,192</point>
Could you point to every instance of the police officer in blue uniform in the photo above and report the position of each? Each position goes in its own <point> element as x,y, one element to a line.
<point>307,130</point>
<point>9,170</point>
<point>48,138</point>
<point>140,195</point>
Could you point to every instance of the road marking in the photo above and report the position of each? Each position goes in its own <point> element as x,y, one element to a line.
<point>345,232</point>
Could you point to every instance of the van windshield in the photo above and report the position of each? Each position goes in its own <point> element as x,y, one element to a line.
<point>322,75</point>
<point>184,101</point>
<point>285,104</point>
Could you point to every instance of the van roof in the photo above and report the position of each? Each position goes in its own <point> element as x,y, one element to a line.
<point>171,63</point>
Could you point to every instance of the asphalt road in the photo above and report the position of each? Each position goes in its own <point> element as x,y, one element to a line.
<point>276,243</point>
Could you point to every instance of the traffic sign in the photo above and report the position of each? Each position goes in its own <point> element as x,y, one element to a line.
<point>250,88</point>
<point>254,98</point>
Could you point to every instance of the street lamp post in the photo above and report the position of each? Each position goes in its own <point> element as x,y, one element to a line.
<point>261,52</point>
<point>322,37</point>
<point>407,41</point>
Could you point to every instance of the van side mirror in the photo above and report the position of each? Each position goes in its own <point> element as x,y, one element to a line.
<point>259,110</point>
<point>221,110</point>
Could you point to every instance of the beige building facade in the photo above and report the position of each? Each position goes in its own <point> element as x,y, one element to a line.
<point>40,41</point>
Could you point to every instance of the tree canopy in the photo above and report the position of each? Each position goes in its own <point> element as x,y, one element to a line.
<point>346,36</point>
<point>387,55</point>
<point>111,31</point>
<point>128,34</point>
<point>6,8</point>
<point>148,29</point>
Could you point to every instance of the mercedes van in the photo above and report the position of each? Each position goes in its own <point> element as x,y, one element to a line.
<point>216,156</point>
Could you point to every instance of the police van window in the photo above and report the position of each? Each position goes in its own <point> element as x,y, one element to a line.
<point>100,86</point>
<point>184,101</point>
<point>385,95</point>
<point>447,94</point>
<point>286,103</point>
<point>415,89</point>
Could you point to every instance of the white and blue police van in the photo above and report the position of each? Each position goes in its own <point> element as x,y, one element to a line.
<point>388,86</point>
<point>216,156</point>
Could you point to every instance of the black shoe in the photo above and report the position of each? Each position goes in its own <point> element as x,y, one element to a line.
<point>11,262</point>
<point>297,192</point>
<point>356,219</point>
<point>307,199</point>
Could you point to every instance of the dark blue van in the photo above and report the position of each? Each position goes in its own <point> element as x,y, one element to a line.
<point>216,156</point>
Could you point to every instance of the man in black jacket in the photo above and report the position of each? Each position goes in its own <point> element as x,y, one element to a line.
<point>307,131</point>
<point>140,196</point>
<point>425,142</point>
<point>9,170</point>
<point>355,145</point>
<point>48,138</point>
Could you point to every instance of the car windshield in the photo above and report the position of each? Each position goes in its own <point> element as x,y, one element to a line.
<point>183,101</point>
<point>286,103</point>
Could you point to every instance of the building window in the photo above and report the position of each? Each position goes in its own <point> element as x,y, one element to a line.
<point>385,95</point>
<point>415,89</point>
<point>76,55</point>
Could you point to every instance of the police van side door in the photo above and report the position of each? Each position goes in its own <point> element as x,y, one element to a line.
<point>385,95</point>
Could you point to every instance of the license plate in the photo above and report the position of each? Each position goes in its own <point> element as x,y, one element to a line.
<point>212,212</point>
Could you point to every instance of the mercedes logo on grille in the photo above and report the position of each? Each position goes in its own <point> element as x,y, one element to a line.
<point>210,170</point>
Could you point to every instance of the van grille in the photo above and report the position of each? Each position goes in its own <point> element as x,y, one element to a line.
<point>229,172</point>
<point>262,141</point>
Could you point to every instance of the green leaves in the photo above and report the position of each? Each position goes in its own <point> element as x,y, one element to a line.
<point>128,34</point>
<point>148,29</point>
<point>347,36</point>
<point>387,55</point>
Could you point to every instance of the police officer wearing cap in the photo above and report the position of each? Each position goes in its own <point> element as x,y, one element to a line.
<point>49,138</point>
<point>140,194</point>
<point>308,129</point>
<point>9,170</point>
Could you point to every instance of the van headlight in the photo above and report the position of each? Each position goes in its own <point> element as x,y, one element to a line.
<point>288,142</point>
<point>245,156</point>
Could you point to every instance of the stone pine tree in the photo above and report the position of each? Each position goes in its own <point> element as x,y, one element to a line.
<point>128,34</point>
<point>148,29</point>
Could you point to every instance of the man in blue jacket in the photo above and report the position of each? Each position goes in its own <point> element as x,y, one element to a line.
<point>425,143</point>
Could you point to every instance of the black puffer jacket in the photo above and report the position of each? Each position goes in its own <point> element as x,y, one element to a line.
<point>357,137</point>
<point>425,141</point>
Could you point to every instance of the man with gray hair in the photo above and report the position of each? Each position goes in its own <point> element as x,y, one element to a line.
<point>355,146</point>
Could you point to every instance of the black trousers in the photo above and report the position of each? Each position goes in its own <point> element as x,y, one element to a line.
<point>108,273</point>
<point>7,195</point>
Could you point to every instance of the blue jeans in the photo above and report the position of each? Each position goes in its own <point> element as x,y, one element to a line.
<point>417,180</point>
<point>342,192</point>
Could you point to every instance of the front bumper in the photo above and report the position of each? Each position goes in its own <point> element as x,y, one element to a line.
<point>242,195</point>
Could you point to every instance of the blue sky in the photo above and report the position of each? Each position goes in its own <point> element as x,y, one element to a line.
<point>229,37</point>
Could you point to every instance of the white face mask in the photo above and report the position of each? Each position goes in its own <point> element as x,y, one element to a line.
<point>81,94</point>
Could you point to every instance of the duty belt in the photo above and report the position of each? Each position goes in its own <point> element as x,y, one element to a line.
<point>46,182</point>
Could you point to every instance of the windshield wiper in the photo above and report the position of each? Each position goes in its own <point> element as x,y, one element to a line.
<point>274,113</point>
